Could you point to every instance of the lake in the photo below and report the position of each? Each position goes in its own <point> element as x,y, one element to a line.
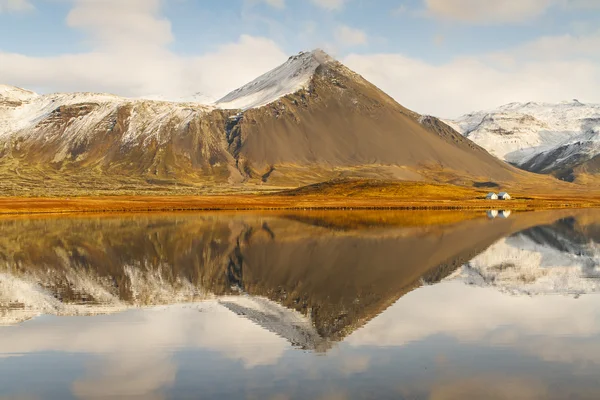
<point>306,305</point>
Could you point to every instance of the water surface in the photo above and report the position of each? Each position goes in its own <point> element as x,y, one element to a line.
<point>301,305</point>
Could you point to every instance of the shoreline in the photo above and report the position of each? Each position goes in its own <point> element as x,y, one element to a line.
<point>144,204</point>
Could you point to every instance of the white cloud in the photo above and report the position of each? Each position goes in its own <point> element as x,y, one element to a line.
<point>347,36</point>
<point>552,328</point>
<point>15,6</point>
<point>233,64</point>
<point>329,4</point>
<point>134,60</point>
<point>477,11</point>
<point>129,56</point>
<point>131,355</point>
<point>563,47</point>
<point>121,24</point>
<point>549,69</point>
<point>500,11</point>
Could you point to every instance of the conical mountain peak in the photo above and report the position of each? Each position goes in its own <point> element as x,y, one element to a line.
<point>289,77</point>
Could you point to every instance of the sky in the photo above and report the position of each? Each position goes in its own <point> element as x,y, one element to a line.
<point>437,57</point>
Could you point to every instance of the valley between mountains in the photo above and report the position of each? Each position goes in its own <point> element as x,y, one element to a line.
<point>311,121</point>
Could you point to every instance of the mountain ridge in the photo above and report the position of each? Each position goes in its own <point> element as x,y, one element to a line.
<point>550,138</point>
<point>309,120</point>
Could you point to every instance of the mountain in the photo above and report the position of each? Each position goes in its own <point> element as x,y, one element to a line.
<point>336,271</point>
<point>559,258</point>
<point>539,137</point>
<point>308,120</point>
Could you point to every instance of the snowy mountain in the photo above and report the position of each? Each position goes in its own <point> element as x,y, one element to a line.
<point>27,296</point>
<point>14,95</point>
<point>538,137</point>
<point>295,74</point>
<point>309,120</point>
<point>562,258</point>
<point>87,112</point>
<point>298,329</point>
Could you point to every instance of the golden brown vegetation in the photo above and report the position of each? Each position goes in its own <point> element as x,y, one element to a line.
<point>347,194</point>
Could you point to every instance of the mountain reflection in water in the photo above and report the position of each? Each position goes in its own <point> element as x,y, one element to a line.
<point>408,305</point>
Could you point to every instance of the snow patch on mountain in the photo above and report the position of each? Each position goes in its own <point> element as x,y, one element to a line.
<point>24,299</point>
<point>284,322</point>
<point>196,98</point>
<point>31,294</point>
<point>517,132</point>
<point>522,265</point>
<point>20,119</point>
<point>295,74</point>
<point>569,153</point>
<point>14,94</point>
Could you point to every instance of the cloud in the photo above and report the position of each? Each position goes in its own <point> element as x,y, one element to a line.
<point>500,11</point>
<point>129,56</point>
<point>347,36</point>
<point>138,74</point>
<point>126,376</point>
<point>15,6</point>
<point>494,387</point>
<point>233,64</point>
<point>135,60</point>
<point>549,69</point>
<point>121,24</point>
<point>330,5</point>
<point>552,328</point>
<point>131,356</point>
<point>354,364</point>
<point>562,46</point>
<point>481,12</point>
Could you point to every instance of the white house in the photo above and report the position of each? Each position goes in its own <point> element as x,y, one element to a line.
<point>504,196</point>
<point>492,214</point>
<point>492,196</point>
<point>504,213</point>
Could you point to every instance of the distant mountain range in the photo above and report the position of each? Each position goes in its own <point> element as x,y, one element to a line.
<point>562,139</point>
<point>559,258</point>
<point>308,120</point>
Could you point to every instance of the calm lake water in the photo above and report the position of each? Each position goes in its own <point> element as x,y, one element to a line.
<point>398,305</point>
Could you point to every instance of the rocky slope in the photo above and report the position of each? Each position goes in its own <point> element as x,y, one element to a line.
<point>309,120</point>
<point>538,137</point>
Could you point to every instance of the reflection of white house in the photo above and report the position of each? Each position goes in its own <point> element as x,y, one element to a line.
<point>492,214</point>
<point>504,213</point>
<point>504,196</point>
<point>492,196</point>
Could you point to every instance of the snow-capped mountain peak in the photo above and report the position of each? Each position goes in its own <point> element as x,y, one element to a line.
<point>520,132</point>
<point>291,76</point>
<point>14,94</point>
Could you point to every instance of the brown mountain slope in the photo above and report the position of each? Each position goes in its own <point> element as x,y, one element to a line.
<point>336,124</point>
<point>588,172</point>
<point>342,121</point>
<point>116,143</point>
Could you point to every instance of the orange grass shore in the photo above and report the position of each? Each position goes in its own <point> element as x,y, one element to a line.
<point>10,205</point>
<point>359,194</point>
